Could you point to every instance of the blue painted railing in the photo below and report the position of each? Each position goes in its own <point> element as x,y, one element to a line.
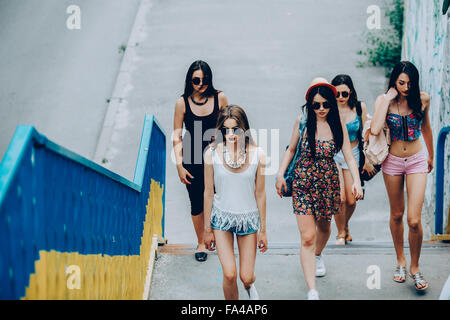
<point>440,161</point>
<point>54,199</point>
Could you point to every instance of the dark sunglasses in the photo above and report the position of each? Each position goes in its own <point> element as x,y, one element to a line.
<point>198,80</point>
<point>233,130</point>
<point>344,94</point>
<point>316,105</point>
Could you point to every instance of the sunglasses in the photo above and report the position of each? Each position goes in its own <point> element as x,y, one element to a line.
<point>233,130</point>
<point>198,80</point>
<point>344,94</point>
<point>325,105</point>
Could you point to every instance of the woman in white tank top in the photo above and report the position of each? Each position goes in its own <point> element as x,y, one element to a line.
<point>235,200</point>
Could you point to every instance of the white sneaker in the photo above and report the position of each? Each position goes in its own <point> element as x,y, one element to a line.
<point>313,295</point>
<point>252,293</point>
<point>320,267</point>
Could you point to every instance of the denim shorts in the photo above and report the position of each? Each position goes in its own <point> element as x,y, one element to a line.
<point>238,231</point>
<point>339,158</point>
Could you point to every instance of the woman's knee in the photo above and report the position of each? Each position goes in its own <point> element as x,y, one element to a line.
<point>230,275</point>
<point>414,223</point>
<point>350,202</point>
<point>397,214</point>
<point>308,240</point>
<point>247,279</point>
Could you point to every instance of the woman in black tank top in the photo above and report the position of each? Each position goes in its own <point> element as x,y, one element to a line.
<point>198,109</point>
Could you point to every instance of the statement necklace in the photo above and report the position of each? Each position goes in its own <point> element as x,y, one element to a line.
<point>199,103</point>
<point>234,164</point>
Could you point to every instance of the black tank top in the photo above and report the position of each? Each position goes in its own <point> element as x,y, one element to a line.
<point>195,141</point>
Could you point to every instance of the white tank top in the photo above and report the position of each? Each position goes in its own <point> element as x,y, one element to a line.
<point>234,203</point>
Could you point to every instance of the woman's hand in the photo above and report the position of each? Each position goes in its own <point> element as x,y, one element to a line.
<point>281,183</point>
<point>262,241</point>
<point>357,191</point>
<point>391,94</point>
<point>210,240</point>
<point>183,174</point>
<point>369,168</point>
<point>430,164</point>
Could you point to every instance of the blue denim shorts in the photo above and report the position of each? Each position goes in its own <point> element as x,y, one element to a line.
<point>237,231</point>
<point>339,158</point>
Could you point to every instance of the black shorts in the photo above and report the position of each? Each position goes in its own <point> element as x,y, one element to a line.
<point>196,188</point>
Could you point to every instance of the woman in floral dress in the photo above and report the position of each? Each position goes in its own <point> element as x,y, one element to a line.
<point>315,189</point>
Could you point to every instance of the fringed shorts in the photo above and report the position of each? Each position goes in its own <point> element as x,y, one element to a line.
<point>239,223</point>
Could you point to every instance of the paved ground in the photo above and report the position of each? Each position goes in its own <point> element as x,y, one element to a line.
<point>56,79</point>
<point>279,275</point>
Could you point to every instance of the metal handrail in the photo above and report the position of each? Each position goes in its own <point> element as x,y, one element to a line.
<point>439,214</point>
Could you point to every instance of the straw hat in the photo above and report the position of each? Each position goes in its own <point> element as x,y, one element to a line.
<point>319,82</point>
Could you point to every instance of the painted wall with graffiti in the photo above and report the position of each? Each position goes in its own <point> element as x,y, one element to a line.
<point>426,43</point>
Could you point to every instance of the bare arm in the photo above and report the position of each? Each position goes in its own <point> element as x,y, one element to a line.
<point>351,162</point>
<point>223,101</point>
<point>177,131</point>
<point>208,197</point>
<point>368,167</point>
<point>381,108</point>
<point>177,140</point>
<point>364,112</point>
<point>379,115</point>
<point>260,195</point>
<point>426,130</point>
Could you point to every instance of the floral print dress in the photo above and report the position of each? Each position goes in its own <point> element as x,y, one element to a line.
<point>315,189</point>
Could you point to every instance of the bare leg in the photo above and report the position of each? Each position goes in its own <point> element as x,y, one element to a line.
<point>394,188</point>
<point>247,256</point>
<point>350,203</point>
<point>199,225</point>
<point>225,251</point>
<point>307,228</point>
<point>415,188</point>
<point>322,235</point>
<point>340,218</point>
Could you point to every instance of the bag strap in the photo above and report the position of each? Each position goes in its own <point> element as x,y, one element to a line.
<point>301,130</point>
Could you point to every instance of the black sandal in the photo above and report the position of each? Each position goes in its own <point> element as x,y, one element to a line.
<point>201,256</point>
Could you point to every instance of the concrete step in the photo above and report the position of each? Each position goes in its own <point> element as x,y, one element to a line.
<point>361,247</point>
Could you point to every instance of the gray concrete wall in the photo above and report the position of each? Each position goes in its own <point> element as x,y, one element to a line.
<point>426,43</point>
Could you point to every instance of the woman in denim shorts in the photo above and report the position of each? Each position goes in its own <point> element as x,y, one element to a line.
<point>234,168</point>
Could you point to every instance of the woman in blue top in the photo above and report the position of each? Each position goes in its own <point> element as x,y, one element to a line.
<point>354,114</point>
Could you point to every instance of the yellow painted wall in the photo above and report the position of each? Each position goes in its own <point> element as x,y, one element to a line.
<point>101,276</point>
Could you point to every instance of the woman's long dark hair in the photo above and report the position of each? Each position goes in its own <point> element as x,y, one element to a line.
<point>333,118</point>
<point>353,102</point>
<point>208,78</point>
<point>413,97</point>
<point>341,79</point>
